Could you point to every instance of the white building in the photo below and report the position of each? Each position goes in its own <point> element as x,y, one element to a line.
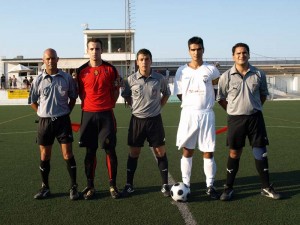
<point>118,49</point>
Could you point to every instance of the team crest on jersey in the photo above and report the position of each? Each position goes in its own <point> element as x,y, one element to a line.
<point>96,72</point>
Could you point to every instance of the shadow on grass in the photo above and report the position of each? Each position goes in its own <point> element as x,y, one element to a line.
<point>146,190</point>
<point>285,183</point>
<point>98,195</point>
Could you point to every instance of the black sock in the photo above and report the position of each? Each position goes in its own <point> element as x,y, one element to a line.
<point>45,170</point>
<point>232,169</point>
<point>263,171</point>
<point>131,167</point>
<point>162,163</point>
<point>90,163</point>
<point>71,166</point>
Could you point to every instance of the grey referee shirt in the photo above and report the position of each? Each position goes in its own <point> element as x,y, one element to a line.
<point>146,93</point>
<point>52,93</point>
<point>242,93</point>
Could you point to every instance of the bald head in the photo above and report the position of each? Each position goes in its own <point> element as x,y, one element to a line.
<point>50,51</point>
<point>50,60</point>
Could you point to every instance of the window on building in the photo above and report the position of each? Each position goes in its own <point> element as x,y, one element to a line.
<point>117,44</point>
<point>33,66</point>
<point>22,74</point>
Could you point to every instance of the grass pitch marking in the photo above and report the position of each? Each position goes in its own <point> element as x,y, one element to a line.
<point>7,121</point>
<point>25,132</point>
<point>182,207</point>
<point>290,121</point>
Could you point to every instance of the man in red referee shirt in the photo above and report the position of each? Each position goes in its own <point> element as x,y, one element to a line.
<point>98,85</point>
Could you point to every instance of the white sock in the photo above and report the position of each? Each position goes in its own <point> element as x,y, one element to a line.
<point>210,169</point>
<point>186,169</point>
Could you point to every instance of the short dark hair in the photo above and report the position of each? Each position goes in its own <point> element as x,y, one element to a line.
<point>196,40</point>
<point>144,51</point>
<point>95,40</point>
<point>240,45</point>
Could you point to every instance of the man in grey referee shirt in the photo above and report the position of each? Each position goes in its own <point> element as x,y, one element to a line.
<point>146,92</point>
<point>53,95</point>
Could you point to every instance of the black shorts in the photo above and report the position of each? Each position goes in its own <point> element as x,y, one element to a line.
<point>251,126</point>
<point>55,127</point>
<point>141,129</point>
<point>98,127</point>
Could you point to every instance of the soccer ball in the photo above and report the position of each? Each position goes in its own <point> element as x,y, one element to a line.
<point>180,192</point>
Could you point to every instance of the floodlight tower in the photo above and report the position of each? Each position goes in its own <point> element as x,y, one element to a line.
<point>128,36</point>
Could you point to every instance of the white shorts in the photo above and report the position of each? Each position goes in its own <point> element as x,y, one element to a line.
<point>197,126</point>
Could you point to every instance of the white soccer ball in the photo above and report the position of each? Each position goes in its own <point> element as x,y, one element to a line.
<point>180,192</point>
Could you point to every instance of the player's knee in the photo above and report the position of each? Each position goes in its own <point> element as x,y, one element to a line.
<point>208,155</point>
<point>187,153</point>
<point>235,153</point>
<point>68,155</point>
<point>160,151</point>
<point>259,153</point>
<point>134,152</point>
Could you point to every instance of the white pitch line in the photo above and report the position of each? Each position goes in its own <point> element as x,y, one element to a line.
<point>19,132</point>
<point>7,121</point>
<point>25,132</point>
<point>182,207</point>
<point>266,126</point>
<point>282,119</point>
<point>288,127</point>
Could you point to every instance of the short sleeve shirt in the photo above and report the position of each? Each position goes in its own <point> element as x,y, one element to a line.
<point>195,86</point>
<point>146,93</point>
<point>242,93</point>
<point>97,86</point>
<point>52,93</point>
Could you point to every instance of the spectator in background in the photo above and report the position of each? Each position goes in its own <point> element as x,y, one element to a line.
<point>74,76</point>
<point>30,80</point>
<point>2,81</point>
<point>14,81</point>
<point>26,83</point>
<point>167,74</point>
<point>10,80</point>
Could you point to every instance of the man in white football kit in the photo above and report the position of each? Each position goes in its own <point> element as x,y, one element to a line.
<point>193,86</point>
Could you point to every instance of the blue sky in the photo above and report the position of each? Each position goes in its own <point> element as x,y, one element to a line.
<point>270,27</point>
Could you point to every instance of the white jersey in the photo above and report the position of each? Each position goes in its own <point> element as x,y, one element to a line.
<point>195,86</point>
